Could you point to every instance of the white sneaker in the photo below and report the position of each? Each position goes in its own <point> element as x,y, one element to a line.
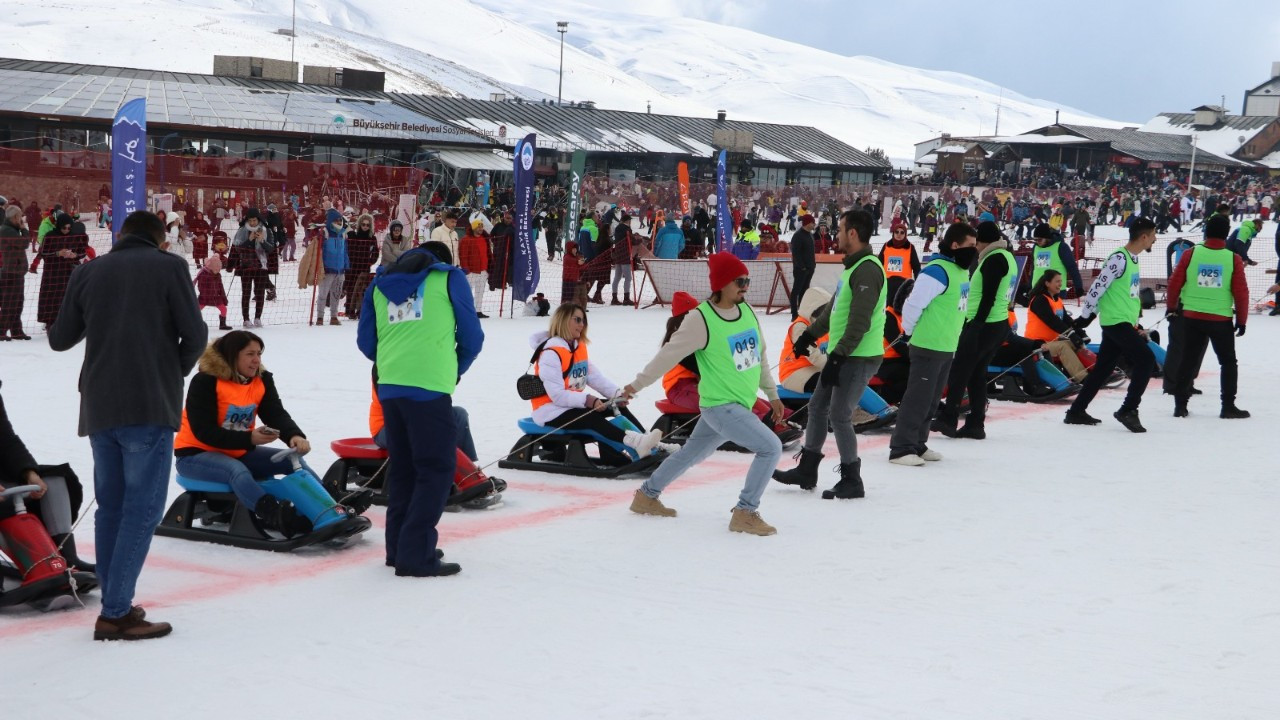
<point>247,324</point>
<point>931,455</point>
<point>908,460</point>
<point>642,444</point>
<point>669,448</point>
<point>257,323</point>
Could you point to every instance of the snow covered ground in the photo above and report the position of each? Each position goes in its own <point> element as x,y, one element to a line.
<point>1050,571</point>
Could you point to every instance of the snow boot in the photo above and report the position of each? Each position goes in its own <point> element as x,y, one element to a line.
<point>750,522</point>
<point>1129,419</point>
<point>972,431</point>
<point>1231,412</point>
<point>597,299</point>
<point>1180,407</point>
<point>222,323</point>
<point>281,516</point>
<point>614,301</point>
<point>642,504</point>
<point>850,485</point>
<point>1080,417</point>
<point>67,545</point>
<point>804,474</point>
<point>626,299</point>
<point>643,443</point>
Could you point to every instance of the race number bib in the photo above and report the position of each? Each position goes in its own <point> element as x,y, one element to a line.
<point>1210,276</point>
<point>964,297</point>
<point>745,347</point>
<point>1013,287</point>
<point>895,264</point>
<point>239,417</point>
<point>578,376</point>
<point>1134,283</point>
<point>408,311</point>
<point>1042,258</point>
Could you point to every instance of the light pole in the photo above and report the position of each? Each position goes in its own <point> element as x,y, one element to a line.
<point>562,27</point>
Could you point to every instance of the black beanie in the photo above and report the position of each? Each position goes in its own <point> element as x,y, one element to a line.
<point>988,232</point>
<point>1043,231</point>
<point>1218,227</point>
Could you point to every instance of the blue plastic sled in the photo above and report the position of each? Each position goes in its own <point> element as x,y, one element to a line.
<point>564,450</point>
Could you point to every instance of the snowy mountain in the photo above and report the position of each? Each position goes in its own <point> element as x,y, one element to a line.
<point>476,47</point>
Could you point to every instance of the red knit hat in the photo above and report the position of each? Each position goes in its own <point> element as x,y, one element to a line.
<point>724,268</point>
<point>681,303</point>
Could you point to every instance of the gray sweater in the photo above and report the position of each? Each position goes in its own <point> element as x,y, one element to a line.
<point>692,336</point>
<point>136,311</point>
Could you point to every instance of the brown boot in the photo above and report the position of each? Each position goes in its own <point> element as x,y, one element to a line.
<point>749,521</point>
<point>334,321</point>
<point>133,626</point>
<point>645,505</point>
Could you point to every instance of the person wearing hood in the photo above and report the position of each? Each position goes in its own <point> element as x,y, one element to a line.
<point>419,326</point>
<point>1052,253</point>
<point>334,257</point>
<point>854,324</point>
<point>986,326</point>
<point>932,319</point>
<point>250,260</point>
<point>668,243</point>
<point>362,253</point>
<point>799,372</point>
<point>135,309</point>
<point>395,244</point>
<point>14,239</point>
<point>572,289</point>
<point>1242,238</point>
<point>61,250</point>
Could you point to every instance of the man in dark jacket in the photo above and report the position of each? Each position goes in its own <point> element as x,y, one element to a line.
<point>802,262</point>
<point>136,311</point>
<point>13,273</point>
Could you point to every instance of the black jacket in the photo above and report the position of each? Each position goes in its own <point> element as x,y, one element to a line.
<point>136,310</point>
<point>13,249</point>
<point>202,409</point>
<point>802,258</point>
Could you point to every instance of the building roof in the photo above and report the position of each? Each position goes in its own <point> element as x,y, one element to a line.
<point>584,127</point>
<point>1149,146</point>
<point>1224,138</point>
<point>1214,108</point>
<point>1235,122</point>
<point>97,91</point>
<point>952,149</point>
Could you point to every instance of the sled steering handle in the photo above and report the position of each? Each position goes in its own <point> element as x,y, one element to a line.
<point>288,453</point>
<point>19,495</point>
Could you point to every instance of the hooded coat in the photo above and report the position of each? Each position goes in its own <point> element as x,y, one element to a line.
<point>669,242</point>
<point>201,409</point>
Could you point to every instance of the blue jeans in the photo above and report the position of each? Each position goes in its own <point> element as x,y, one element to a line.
<point>242,473</point>
<point>131,467</point>
<point>422,444</point>
<point>734,423</point>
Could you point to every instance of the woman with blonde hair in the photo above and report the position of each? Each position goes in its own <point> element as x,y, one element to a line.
<point>567,373</point>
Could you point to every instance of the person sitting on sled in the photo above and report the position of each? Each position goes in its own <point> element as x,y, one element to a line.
<point>681,381</point>
<point>220,439</point>
<point>1049,322</point>
<point>567,373</point>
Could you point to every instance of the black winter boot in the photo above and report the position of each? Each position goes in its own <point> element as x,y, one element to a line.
<point>615,301</point>
<point>281,516</point>
<point>1180,407</point>
<point>1128,417</point>
<point>1231,412</point>
<point>850,485</point>
<point>222,323</point>
<point>68,552</point>
<point>805,474</point>
<point>626,299</point>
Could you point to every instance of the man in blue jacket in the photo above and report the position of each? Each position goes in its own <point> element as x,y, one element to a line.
<point>420,329</point>
<point>335,266</point>
<point>669,242</point>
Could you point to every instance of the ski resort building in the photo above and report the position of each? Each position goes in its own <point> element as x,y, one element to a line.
<point>245,130</point>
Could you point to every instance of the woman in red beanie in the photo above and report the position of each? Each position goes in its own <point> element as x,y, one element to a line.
<point>724,337</point>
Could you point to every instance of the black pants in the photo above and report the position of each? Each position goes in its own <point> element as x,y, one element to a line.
<point>978,343</point>
<point>252,282</point>
<point>1177,358</point>
<point>422,444</point>
<point>1197,334</point>
<point>1118,340</point>
<point>584,419</point>
<point>799,285</point>
<point>551,246</point>
<point>11,301</point>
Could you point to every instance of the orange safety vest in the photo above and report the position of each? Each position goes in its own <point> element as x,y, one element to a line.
<point>788,364</point>
<point>237,410</point>
<point>675,375</point>
<point>573,365</point>
<point>897,262</point>
<point>1037,329</point>
<point>891,350</point>
<point>376,419</point>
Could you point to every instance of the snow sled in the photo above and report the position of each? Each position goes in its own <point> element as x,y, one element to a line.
<point>210,512</point>
<point>870,402</point>
<point>362,465</point>
<point>1006,383</point>
<point>1123,364</point>
<point>564,450</point>
<point>677,423</point>
<point>44,580</point>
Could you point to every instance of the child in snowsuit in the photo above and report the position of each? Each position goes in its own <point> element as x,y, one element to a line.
<point>209,290</point>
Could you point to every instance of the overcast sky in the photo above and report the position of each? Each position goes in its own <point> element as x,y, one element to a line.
<point>1116,59</point>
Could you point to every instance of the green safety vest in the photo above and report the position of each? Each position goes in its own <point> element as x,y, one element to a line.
<point>999,310</point>
<point>1047,258</point>
<point>1120,304</point>
<point>1208,285</point>
<point>730,364</point>
<point>943,318</point>
<point>872,342</point>
<point>416,338</point>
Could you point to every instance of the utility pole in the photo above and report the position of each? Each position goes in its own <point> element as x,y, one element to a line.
<point>562,27</point>
<point>293,33</point>
<point>1191,176</point>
